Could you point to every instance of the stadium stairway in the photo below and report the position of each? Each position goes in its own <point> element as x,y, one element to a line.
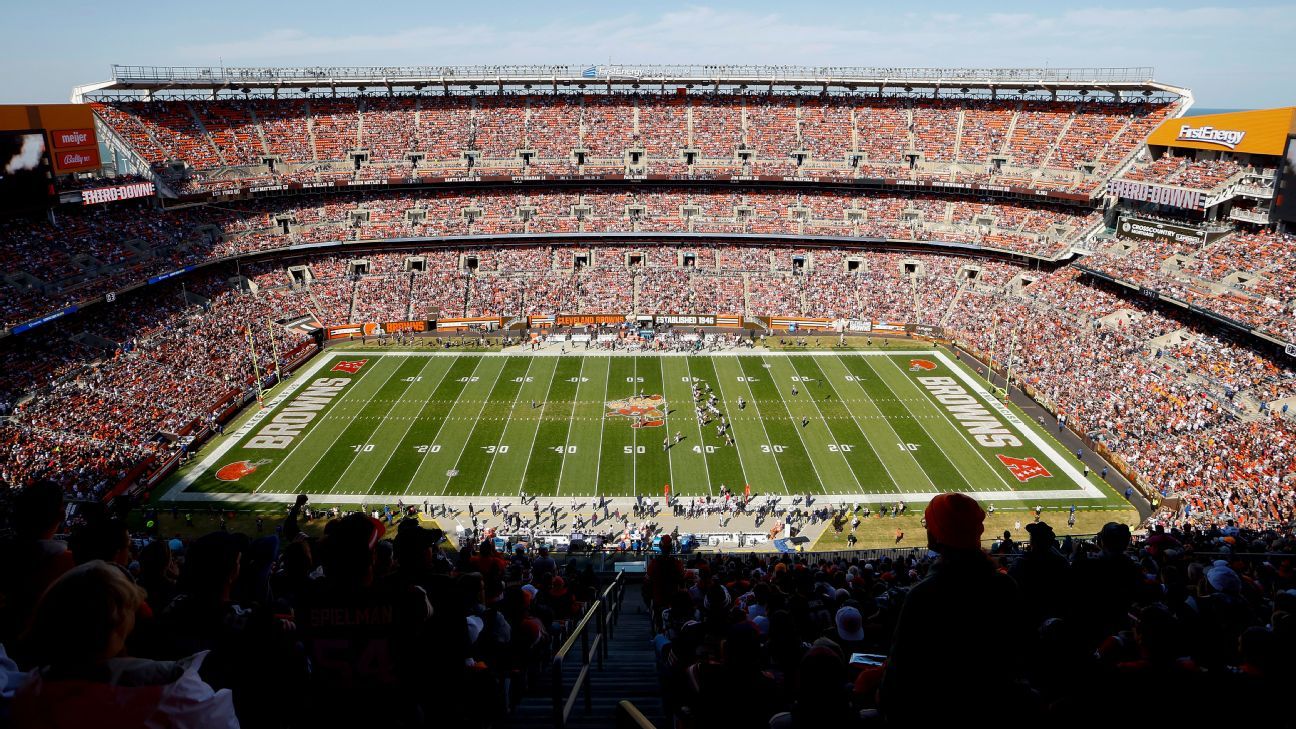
<point>629,673</point>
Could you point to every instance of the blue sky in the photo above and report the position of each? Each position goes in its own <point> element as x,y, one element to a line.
<point>1229,55</point>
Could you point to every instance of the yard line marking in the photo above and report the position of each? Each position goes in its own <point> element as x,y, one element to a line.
<point>306,436</point>
<point>437,434</point>
<point>696,426</point>
<point>411,427</point>
<point>301,438</point>
<point>504,430</point>
<point>634,435</point>
<point>769,441</point>
<point>670,466</point>
<point>477,419</point>
<point>952,461</point>
<point>1003,477</point>
<point>607,383</point>
<point>701,437</point>
<point>795,427</point>
<point>810,396</point>
<point>882,416</point>
<point>895,483</point>
<point>562,463</point>
<point>392,409</point>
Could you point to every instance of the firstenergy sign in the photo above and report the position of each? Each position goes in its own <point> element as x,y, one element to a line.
<point>1229,138</point>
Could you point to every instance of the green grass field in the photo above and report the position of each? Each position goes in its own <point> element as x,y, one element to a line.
<point>415,425</point>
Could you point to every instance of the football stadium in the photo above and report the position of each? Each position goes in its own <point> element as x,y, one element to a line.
<point>645,396</point>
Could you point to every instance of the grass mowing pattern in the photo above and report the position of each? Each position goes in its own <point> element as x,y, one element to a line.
<point>479,426</point>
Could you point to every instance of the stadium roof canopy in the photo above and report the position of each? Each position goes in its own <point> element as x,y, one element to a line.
<point>215,79</point>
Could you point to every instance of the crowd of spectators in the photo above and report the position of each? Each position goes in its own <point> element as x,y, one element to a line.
<point>1042,143</point>
<point>1205,174</point>
<point>1247,277</point>
<point>1164,394</point>
<point>1179,627</point>
<point>82,254</point>
<point>138,378</point>
<point>99,627</point>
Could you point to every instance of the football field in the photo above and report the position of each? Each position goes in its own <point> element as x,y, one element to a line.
<point>869,426</point>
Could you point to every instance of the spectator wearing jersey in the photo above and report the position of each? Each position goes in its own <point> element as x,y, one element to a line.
<point>366,640</point>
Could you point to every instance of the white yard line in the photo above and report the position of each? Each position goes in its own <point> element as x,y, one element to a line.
<point>741,467</point>
<point>634,435</point>
<point>895,483</point>
<point>997,470</point>
<point>796,427</point>
<point>701,440</point>
<point>381,423</point>
<point>952,461</point>
<point>813,401</point>
<point>446,419</point>
<point>769,442</point>
<point>480,410</point>
<point>882,416</point>
<point>603,424</point>
<point>504,431</point>
<point>305,436</point>
<point>409,427</point>
<point>562,463</point>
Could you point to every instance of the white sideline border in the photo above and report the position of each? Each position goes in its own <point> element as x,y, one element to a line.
<point>1086,490</point>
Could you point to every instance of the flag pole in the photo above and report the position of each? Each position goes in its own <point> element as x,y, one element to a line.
<point>274,349</point>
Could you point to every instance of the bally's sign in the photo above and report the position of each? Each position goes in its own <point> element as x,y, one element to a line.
<point>1229,138</point>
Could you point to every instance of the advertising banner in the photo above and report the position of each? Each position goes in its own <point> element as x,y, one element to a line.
<point>888,326</point>
<point>1246,132</point>
<point>691,320</point>
<point>68,138</point>
<point>1155,230</point>
<point>479,322</point>
<point>373,329</point>
<point>799,322</point>
<point>927,330</point>
<point>576,320</point>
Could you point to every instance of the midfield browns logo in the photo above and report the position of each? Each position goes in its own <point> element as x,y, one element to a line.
<point>1024,468</point>
<point>349,366</point>
<point>238,469</point>
<point>921,365</point>
<point>648,411</point>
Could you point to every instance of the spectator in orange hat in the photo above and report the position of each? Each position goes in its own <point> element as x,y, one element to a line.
<point>958,633</point>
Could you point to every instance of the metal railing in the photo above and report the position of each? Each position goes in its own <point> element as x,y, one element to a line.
<point>600,620</point>
<point>645,72</point>
<point>628,716</point>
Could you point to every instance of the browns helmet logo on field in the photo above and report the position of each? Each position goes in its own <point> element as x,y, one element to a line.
<point>647,411</point>
<point>921,365</point>
<point>238,469</point>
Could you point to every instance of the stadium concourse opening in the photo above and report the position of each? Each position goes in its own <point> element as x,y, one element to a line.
<point>387,387</point>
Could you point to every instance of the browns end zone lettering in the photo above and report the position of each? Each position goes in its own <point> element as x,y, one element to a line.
<point>296,415</point>
<point>984,427</point>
